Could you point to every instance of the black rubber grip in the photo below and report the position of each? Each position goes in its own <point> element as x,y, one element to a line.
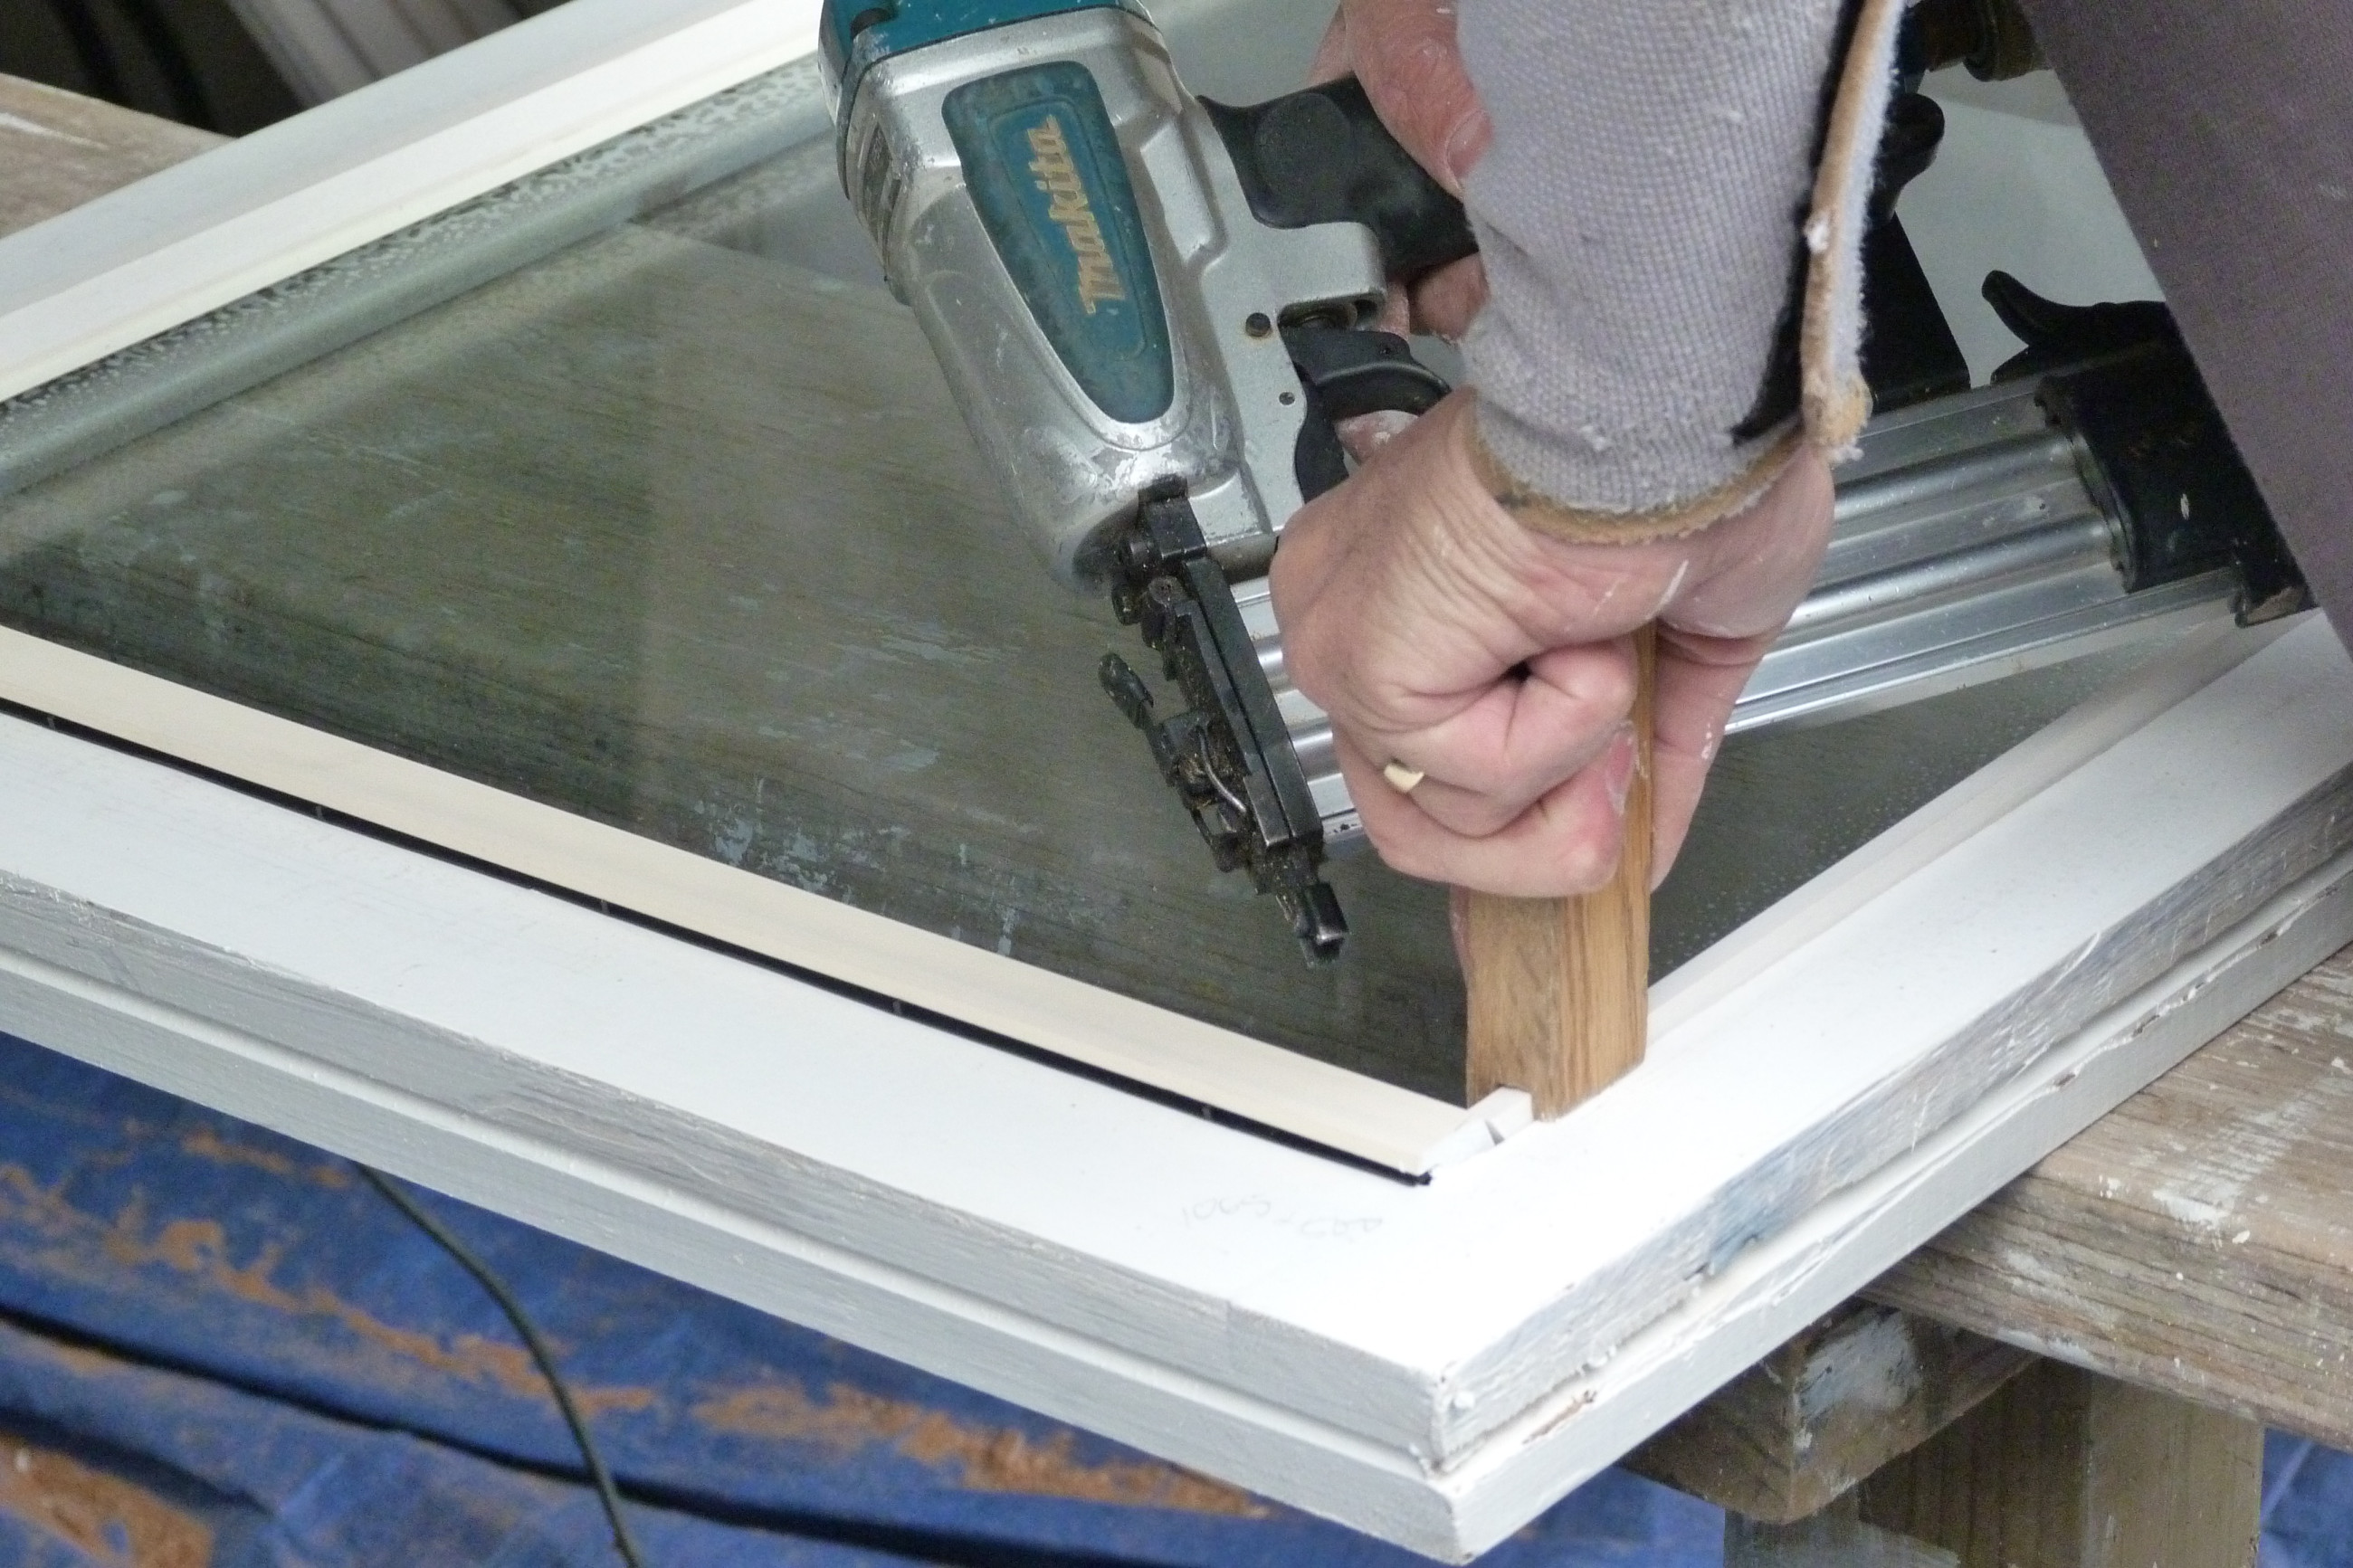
<point>1322,155</point>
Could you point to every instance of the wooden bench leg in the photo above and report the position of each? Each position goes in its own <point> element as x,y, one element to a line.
<point>1845,1395</point>
<point>2065,1468</point>
<point>2061,1468</point>
<point>1835,1538</point>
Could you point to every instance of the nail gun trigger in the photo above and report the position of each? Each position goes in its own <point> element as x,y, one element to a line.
<point>1353,370</point>
<point>1346,371</point>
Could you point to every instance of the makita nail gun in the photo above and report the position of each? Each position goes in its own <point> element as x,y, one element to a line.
<point>1151,308</point>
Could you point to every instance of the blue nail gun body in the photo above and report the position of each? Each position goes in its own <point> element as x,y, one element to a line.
<point>1151,310</point>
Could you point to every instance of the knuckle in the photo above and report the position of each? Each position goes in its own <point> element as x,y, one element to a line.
<point>1610,689</point>
<point>1586,848</point>
<point>1401,854</point>
<point>1588,866</point>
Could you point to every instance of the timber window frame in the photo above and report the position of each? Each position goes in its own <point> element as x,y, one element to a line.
<point>1432,1363</point>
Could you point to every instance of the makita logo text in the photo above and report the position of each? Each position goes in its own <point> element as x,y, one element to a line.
<point>1058,176</point>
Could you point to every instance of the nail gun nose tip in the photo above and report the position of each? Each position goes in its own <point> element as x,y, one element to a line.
<point>1322,929</point>
<point>1126,688</point>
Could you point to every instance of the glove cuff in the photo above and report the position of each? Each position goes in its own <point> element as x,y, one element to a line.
<point>1533,509</point>
<point>1835,399</point>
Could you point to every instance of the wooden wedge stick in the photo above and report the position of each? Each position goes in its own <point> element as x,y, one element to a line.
<point>1559,988</point>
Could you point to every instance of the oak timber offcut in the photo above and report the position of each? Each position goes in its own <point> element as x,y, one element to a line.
<point>1559,989</point>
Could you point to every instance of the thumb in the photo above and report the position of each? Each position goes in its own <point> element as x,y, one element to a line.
<point>1331,61</point>
<point>1404,53</point>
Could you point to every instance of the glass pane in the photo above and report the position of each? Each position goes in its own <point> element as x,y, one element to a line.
<point>679,530</point>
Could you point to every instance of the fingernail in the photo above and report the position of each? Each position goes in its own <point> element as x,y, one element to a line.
<point>1618,768</point>
<point>1465,142</point>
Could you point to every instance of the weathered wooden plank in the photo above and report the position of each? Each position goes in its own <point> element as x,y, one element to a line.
<point>2199,1239</point>
<point>1858,1387</point>
<point>59,149</point>
<point>2064,1469</point>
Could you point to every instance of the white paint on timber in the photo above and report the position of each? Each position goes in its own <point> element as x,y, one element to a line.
<point>1867,1037</point>
<point>1780,1285</point>
<point>1432,1363</point>
<point>202,234</point>
<point>1968,807</point>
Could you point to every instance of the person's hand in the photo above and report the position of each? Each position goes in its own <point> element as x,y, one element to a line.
<point>1403,52</point>
<point>1444,636</point>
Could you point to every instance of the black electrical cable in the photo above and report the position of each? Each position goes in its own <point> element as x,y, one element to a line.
<point>598,1475</point>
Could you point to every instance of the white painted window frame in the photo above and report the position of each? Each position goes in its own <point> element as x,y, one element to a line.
<point>1432,1363</point>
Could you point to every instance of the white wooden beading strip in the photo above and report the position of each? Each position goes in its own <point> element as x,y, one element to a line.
<point>1342,1109</point>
